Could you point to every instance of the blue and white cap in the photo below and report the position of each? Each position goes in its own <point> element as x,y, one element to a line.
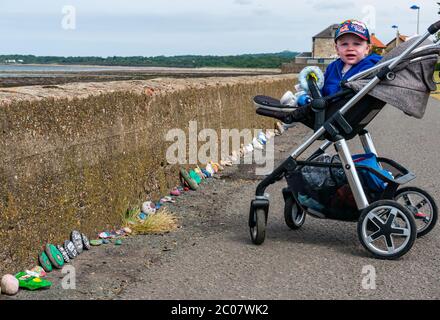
<point>355,27</point>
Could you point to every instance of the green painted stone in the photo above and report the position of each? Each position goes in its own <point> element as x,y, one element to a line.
<point>95,242</point>
<point>31,283</point>
<point>45,262</point>
<point>186,177</point>
<point>195,176</point>
<point>54,255</point>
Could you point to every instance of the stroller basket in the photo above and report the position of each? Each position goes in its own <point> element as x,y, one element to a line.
<point>325,195</point>
<point>401,175</point>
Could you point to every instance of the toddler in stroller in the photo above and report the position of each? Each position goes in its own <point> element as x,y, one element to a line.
<point>364,188</point>
<point>352,44</point>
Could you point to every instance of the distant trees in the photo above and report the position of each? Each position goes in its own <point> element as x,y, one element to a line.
<point>265,60</point>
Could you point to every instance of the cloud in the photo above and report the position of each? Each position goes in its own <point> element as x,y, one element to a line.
<point>327,6</point>
<point>261,12</point>
<point>154,27</point>
<point>243,2</point>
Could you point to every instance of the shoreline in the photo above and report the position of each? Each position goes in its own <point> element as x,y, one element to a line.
<point>60,77</point>
<point>140,68</point>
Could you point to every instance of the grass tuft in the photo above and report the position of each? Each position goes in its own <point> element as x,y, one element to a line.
<point>162,221</point>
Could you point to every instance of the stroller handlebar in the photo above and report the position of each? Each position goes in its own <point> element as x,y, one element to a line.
<point>434,28</point>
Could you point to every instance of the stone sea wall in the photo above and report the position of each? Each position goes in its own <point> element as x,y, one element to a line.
<point>77,156</point>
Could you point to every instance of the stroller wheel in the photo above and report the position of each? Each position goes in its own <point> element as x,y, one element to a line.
<point>387,229</point>
<point>258,230</point>
<point>294,215</point>
<point>421,205</point>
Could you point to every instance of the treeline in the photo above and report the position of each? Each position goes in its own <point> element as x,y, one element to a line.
<point>265,60</point>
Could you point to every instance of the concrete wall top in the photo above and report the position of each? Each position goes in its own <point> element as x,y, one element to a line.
<point>149,87</point>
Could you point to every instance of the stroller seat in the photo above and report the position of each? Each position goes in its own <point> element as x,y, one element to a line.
<point>271,104</point>
<point>358,117</point>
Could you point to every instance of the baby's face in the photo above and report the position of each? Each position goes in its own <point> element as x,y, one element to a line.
<point>351,48</point>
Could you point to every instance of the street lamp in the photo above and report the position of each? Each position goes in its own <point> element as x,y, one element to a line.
<point>415,7</point>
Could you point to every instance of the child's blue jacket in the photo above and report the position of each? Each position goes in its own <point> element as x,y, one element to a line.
<point>333,73</point>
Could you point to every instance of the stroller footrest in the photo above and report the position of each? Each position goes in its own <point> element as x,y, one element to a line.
<point>397,173</point>
<point>405,178</point>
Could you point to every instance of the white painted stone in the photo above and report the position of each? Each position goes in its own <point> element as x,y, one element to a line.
<point>9,285</point>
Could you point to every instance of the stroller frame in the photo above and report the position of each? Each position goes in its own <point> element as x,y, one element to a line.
<point>332,128</point>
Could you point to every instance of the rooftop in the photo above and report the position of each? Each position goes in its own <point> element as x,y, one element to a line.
<point>376,42</point>
<point>328,32</point>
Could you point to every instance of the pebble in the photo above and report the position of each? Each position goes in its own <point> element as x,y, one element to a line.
<point>95,242</point>
<point>142,216</point>
<point>9,285</point>
<point>104,235</point>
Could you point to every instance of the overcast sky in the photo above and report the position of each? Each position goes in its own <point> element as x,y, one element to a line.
<point>177,27</point>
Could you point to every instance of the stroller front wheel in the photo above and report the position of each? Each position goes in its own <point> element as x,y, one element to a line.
<point>258,230</point>
<point>294,215</point>
<point>387,229</point>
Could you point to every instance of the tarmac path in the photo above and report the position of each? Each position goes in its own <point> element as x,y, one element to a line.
<point>211,255</point>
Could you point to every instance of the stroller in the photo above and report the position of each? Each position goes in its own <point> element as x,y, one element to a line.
<point>389,219</point>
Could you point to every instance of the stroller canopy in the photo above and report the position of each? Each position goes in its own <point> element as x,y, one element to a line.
<point>410,89</point>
